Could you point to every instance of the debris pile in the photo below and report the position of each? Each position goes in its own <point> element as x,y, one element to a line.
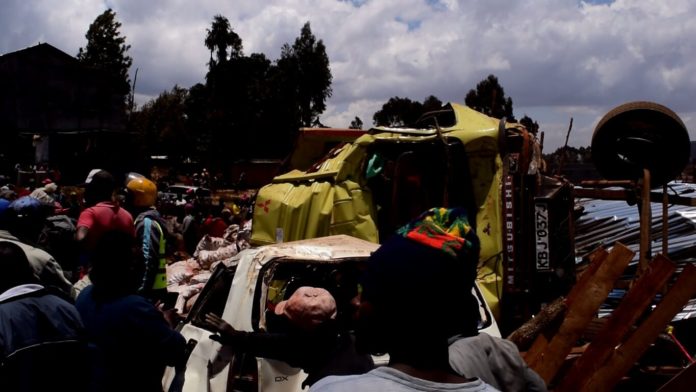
<point>188,277</point>
<point>649,305</point>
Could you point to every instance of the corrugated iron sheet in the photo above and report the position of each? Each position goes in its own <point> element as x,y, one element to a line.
<point>604,222</point>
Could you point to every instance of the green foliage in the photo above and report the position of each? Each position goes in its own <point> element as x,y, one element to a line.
<point>219,38</point>
<point>398,112</point>
<point>106,49</point>
<point>251,107</point>
<point>402,112</point>
<point>431,103</point>
<point>356,123</point>
<point>306,67</point>
<point>489,98</point>
<point>248,107</point>
<point>196,111</point>
<point>567,156</point>
<point>161,125</point>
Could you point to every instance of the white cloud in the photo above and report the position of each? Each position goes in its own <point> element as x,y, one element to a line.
<point>341,118</point>
<point>555,58</point>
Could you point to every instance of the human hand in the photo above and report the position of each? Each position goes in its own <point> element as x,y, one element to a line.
<point>170,315</point>
<point>217,324</point>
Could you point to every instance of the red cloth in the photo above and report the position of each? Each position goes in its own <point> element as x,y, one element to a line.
<point>214,227</point>
<point>23,192</point>
<point>103,217</point>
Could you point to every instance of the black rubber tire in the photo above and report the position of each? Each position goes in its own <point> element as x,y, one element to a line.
<point>638,135</point>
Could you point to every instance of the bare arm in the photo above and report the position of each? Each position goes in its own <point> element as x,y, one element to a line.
<point>81,233</point>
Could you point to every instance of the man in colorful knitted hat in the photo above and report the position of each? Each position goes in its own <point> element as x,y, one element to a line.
<point>417,295</point>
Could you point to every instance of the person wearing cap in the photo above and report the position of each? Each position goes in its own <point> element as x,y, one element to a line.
<point>22,220</point>
<point>416,296</point>
<point>42,339</point>
<point>302,332</point>
<point>27,218</point>
<point>151,234</point>
<point>103,214</point>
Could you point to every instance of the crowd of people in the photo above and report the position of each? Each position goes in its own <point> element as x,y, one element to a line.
<point>96,308</point>
<point>86,279</point>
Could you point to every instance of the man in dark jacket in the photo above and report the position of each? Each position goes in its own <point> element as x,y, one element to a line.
<point>417,296</point>
<point>133,340</point>
<point>13,216</point>
<point>41,335</point>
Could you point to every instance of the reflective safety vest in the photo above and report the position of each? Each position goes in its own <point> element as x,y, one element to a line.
<point>160,281</point>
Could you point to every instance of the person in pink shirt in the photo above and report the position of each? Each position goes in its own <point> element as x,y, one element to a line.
<point>103,213</point>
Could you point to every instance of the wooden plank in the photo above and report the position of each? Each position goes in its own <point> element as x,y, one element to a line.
<point>624,357</point>
<point>548,316</point>
<point>581,311</point>
<point>597,258</point>
<point>537,349</point>
<point>631,307</point>
<point>665,221</point>
<point>645,224</point>
<point>684,381</point>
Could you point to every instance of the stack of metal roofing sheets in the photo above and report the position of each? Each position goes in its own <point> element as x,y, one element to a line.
<point>604,222</point>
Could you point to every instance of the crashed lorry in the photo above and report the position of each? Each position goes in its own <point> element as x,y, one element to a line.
<point>318,227</point>
<point>454,157</point>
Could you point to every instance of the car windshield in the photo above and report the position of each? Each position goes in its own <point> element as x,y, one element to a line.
<point>340,278</point>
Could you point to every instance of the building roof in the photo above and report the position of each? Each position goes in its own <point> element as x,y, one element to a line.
<point>42,48</point>
<point>44,90</point>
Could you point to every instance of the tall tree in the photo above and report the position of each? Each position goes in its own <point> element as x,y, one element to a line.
<point>403,112</point>
<point>398,112</point>
<point>196,112</point>
<point>249,106</point>
<point>356,123</point>
<point>489,98</point>
<point>224,88</point>
<point>219,38</point>
<point>248,100</point>
<point>106,49</point>
<point>307,65</point>
<point>161,124</point>
<point>431,103</point>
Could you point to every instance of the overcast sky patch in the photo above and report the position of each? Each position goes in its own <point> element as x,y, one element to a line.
<point>555,58</point>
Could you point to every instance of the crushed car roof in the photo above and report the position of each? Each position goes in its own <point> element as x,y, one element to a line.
<point>323,248</point>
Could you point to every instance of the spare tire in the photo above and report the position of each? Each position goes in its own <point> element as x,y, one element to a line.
<point>638,135</point>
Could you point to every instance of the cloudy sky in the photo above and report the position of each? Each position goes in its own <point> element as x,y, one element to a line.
<point>556,58</point>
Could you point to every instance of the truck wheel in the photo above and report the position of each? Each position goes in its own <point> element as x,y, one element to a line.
<point>638,135</point>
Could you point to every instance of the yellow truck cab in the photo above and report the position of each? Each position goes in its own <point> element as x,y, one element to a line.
<point>455,157</point>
